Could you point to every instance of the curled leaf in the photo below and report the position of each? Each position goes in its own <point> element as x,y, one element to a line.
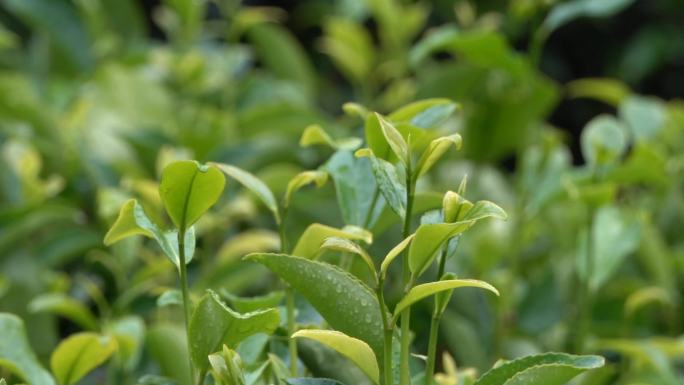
<point>427,289</point>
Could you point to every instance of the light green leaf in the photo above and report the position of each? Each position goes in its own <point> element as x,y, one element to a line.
<point>435,150</point>
<point>189,189</point>
<point>610,91</point>
<point>394,139</point>
<point>565,12</point>
<point>482,210</point>
<point>314,235</point>
<point>645,117</point>
<point>393,254</point>
<point>227,367</point>
<point>645,296</point>
<point>427,113</point>
<point>64,306</point>
<point>314,134</point>
<point>167,345</point>
<point>347,246</point>
<point>355,109</point>
<point>429,240</point>
<point>346,303</point>
<point>227,327</point>
<point>129,332</point>
<point>388,182</point>
<point>615,236</point>
<point>311,381</point>
<point>249,304</point>
<point>302,179</point>
<point>543,369</point>
<point>246,242</point>
<point>79,354</point>
<point>442,298</point>
<point>356,350</point>
<point>350,46</point>
<point>16,354</point>
<point>170,297</point>
<point>427,289</point>
<point>252,183</point>
<point>132,220</point>
<point>603,140</point>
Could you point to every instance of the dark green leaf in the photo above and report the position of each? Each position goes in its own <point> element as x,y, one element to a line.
<point>227,327</point>
<point>346,303</point>
<point>543,369</point>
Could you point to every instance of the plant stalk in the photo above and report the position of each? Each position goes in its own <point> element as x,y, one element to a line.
<point>387,378</point>
<point>586,300</point>
<point>185,293</point>
<point>289,300</point>
<point>432,348</point>
<point>405,375</point>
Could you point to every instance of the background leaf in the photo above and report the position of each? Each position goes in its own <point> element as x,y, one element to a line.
<point>79,354</point>
<point>547,369</point>
<point>16,354</point>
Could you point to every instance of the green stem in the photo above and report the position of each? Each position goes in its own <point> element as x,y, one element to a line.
<point>185,292</point>
<point>289,300</point>
<point>202,375</point>
<point>374,202</point>
<point>387,327</point>
<point>432,349</point>
<point>586,300</point>
<point>405,375</point>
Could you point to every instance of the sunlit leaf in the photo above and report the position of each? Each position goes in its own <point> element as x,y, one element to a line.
<point>252,183</point>
<point>302,179</point>
<point>435,150</point>
<point>347,246</point>
<point>188,190</point>
<point>429,239</point>
<point>79,354</point>
<point>313,237</point>
<point>427,289</point>
<point>64,306</point>
<point>354,349</point>
<point>394,253</point>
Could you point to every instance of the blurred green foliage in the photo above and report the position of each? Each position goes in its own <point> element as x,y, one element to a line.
<point>92,108</point>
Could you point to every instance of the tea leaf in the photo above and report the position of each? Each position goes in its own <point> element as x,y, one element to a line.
<point>645,117</point>
<point>354,183</point>
<point>170,297</point>
<point>546,369</point>
<point>314,134</point>
<point>429,240</point>
<point>188,189</point>
<point>151,379</point>
<point>167,345</point>
<point>394,139</point>
<point>565,12</point>
<point>603,140</point>
<point>394,253</point>
<point>482,210</point>
<point>252,183</point>
<point>347,246</point>
<point>421,291</point>
<point>428,113</point>
<point>227,327</point>
<point>346,303</point>
<point>79,354</point>
<point>356,350</point>
<point>16,354</point>
<point>249,304</point>
<point>311,381</point>
<point>388,182</point>
<point>302,179</point>
<point>435,150</point>
<point>313,237</point>
<point>132,220</point>
<point>610,91</point>
<point>64,306</point>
